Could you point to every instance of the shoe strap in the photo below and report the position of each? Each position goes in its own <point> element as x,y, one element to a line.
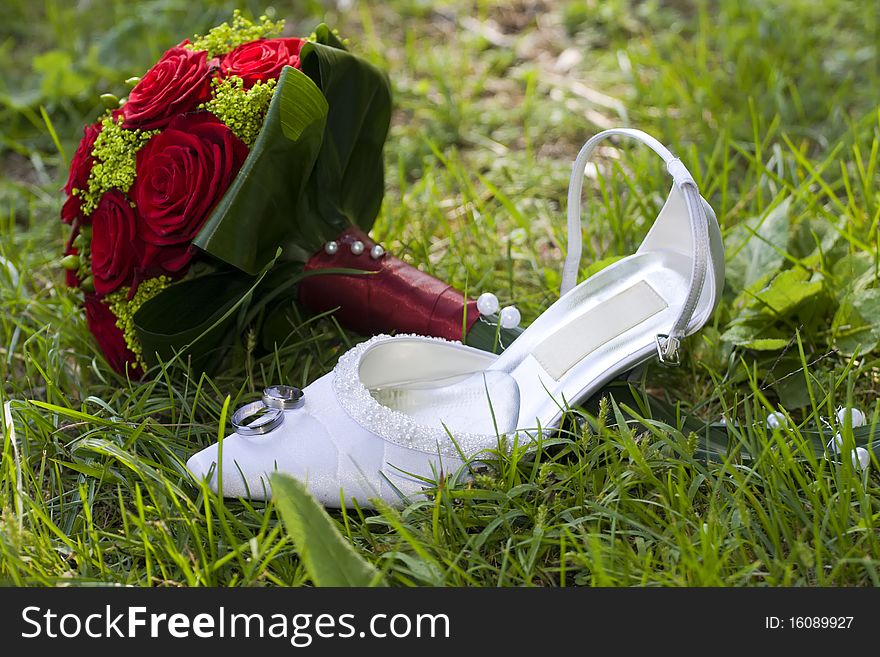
<point>667,344</point>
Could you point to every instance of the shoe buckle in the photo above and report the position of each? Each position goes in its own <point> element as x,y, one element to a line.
<point>668,350</point>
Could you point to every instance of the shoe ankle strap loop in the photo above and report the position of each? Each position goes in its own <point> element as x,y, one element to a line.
<point>679,173</point>
<point>699,229</point>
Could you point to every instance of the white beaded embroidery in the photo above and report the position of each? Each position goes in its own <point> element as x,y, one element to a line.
<point>391,425</point>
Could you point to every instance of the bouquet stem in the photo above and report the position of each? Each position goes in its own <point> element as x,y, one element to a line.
<point>374,292</point>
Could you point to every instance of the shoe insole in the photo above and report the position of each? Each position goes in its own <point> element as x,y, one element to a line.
<point>484,402</point>
<point>577,339</point>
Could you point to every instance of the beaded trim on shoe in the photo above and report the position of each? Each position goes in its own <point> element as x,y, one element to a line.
<point>391,425</point>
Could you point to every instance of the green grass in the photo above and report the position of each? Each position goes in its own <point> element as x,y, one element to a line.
<point>774,108</point>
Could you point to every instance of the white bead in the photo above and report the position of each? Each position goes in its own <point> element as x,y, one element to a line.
<point>510,317</point>
<point>330,248</point>
<point>835,444</point>
<point>861,458</point>
<point>357,247</point>
<point>377,252</point>
<point>776,420</point>
<point>487,303</point>
<point>858,418</point>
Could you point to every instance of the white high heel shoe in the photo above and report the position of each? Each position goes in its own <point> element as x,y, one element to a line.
<point>396,411</point>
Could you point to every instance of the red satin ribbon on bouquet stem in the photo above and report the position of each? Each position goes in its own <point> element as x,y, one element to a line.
<point>397,297</point>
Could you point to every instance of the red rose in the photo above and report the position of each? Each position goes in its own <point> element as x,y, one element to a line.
<point>181,174</point>
<point>176,84</point>
<point>261,60</point>
<point>102,324</point>
<point>80,168</point>
<point>171,260</point>
<point>116,247</point>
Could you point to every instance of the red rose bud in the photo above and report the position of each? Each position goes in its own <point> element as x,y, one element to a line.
<point>102,324</point>
<point>80,168</point>
<point>397,297</point>
<point>181,174</point>
<point>116,247</point>
<point>177,83</point>
<point>261,60</point>
<point>70,279</point>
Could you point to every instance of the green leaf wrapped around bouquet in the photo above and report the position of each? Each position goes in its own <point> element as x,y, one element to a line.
<point>315,168</point>
<point>347,182</point>
<point>204,310</point>
<point>255,215</point>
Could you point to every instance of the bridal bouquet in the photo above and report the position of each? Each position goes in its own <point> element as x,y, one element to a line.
<point>237,166</point>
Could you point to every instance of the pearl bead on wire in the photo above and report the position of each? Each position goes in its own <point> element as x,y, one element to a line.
<point>510,317</point>
<point>487,303</point>
<point>861,458</point>
<point>856,416</point>
<point>776,420</point>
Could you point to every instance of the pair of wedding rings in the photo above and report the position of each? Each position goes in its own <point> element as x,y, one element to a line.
<point>261,417</point>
